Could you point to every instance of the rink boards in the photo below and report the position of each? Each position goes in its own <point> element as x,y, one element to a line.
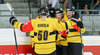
<point>7,43</point>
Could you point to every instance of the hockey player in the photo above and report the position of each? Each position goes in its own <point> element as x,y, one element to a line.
<point>73,45</point>
<point>62,44</point>
<point>32,32</point>
<point>44,32</point>
<point>75,42</point>
<point>59,14</point>
<point>58,47</point>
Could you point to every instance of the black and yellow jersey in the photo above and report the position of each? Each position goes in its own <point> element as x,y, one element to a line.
<point>63,42</point>
<point>74,35</point>
<point>65,17</point>
<point>44,33</point>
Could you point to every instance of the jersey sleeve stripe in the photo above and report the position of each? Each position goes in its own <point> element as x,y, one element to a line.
<point>66,25</point>
<point>21,27</point>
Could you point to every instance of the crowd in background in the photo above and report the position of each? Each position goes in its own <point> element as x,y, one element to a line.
<point>77,4</point>
<point>1,1</point>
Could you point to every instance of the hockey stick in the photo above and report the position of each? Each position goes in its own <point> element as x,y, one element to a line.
<point>29,10</point>
<point>80,34</point>
<point>10,9</point>
<point>81,39</point>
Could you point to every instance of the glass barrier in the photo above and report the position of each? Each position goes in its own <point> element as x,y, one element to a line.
<point>91,21</point>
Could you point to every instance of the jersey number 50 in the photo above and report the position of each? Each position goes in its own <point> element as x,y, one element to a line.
<point>42,35</point>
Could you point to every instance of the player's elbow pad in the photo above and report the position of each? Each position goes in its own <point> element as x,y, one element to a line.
<point>76,27</point>
<point>63,33</point>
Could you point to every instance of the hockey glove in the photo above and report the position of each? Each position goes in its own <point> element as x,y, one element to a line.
<point>80,24</point>
<point>12,20</point>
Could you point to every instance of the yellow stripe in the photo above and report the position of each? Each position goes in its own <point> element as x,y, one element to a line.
<point>17,25</point>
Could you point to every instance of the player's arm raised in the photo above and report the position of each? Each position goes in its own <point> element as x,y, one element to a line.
<point>22,27</point>
<point>79,24</point>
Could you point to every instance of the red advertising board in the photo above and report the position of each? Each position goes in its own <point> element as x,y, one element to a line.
<point>27,49</point>
<point>95,50</point>
<point>11,49</point>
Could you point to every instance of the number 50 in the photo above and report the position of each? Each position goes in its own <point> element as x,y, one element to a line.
<point>42,35</point>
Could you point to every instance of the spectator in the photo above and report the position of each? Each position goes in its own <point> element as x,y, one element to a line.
<point>35,1</point>
<point>68,4</point>
<point>1,1</point>
<point>53,3</point>
<point>81,4</point>
<point>89,3</point>
<point>97,6</point>
<point>61,3</point>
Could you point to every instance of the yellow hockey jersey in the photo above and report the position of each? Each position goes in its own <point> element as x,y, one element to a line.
<point>44,33</point>
<point>74,35</point>
<point>63,42</point>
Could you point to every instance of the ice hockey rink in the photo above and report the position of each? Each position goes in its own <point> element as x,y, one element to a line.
<point>91,38</point>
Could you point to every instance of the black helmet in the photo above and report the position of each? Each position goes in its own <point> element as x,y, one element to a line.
<point>52,12</point>
<point>76,15</point>
<point>59,11</point>
<point>43,11</point>
<point>72,9</point>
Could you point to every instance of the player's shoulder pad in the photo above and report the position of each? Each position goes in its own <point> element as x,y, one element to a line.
<point>55,20</point>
